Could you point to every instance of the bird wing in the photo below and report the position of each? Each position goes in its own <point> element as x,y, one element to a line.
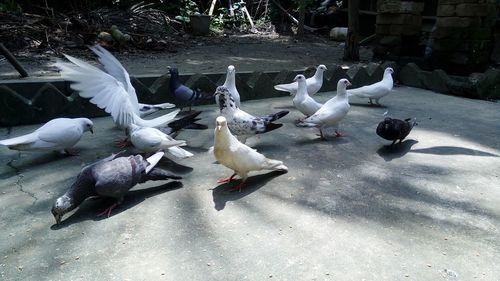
<point>331,112</point>
<point>107,93</point>
<point>116,69</point>
<point>371,91</point>
<point>60,131</point>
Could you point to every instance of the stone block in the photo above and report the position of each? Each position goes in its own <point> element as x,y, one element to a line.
<point>488,84</point>
<point>361,78</point>
<point>472,10</point>
<point>390,40</point>
<point>446,10</point>
<point>408,19</point>
<point>410,75</point>
<point>458,21</point>
<point>338,73</point>
<point>383,29</point>
<point>262,86</point>
<point>452,2</point>
<point>284,77</point>
<point>397,7</point>
<point>436,81</point>
<point>448,32</point>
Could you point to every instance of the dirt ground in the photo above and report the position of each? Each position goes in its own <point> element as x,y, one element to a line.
<point>251,52</point>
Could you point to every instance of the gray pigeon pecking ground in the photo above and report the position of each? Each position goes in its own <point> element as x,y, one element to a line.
<point>110,177</point>
<point>395,129</point>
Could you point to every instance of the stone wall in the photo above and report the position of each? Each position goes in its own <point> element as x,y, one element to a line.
<point>463,35</point>
<point>398,27</point>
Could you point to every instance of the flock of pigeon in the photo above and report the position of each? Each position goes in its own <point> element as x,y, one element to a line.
<point>110,89</point>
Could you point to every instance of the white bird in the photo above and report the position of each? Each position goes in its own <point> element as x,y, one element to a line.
<point>151,140</point>
<point>302,101</point>
<point>377,90</point>
<point>331,113</point>
<point>108,93</point>
<point>230,84</point>
<point>242,123</point>
<point>314,83</point>
<point>239,157</point>
<point>59,134</point>
<point>116,69</point>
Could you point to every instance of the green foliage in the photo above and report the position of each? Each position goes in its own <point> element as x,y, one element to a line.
<point>187,8</point>
<point>9,6</point>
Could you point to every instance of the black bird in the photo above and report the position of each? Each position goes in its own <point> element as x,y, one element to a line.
<point>395,129</point>
<point>110,177</point>
<point>187,122</point>
<point>184,95</point>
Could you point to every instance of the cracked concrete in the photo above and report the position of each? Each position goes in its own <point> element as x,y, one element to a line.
<point>348,209</point>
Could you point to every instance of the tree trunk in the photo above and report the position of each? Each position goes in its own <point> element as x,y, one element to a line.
<point>351,49</point>
<point>302,17</point>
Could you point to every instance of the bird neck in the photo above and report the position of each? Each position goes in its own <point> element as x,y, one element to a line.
<point>174,80</point>
<point>230,81</point>
<point>318,74</point>
<point>301,89</point>
<point>222,137</point>
<point>78,192</point>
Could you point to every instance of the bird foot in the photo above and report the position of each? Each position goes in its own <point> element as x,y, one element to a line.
<point>225,180</point>
<point>107,211</point>
<point>122,143</point>
<point>238,187</point>
<point>71,152</point>
<point>338,135</point>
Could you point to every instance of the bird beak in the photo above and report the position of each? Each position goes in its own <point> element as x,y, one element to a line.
<point>349,83</point>
<point>219,127</point>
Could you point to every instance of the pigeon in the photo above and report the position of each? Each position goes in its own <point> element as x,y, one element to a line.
<point>115,69</point>
<point>230,84</point>
<point>331,113</point>
<point>110,177</point>
<point>183,94</point>
<point>375,91</point>
<point>147,139</point>
<point>59,134</point>
<point>302,101</point>
<point>115,95</point>
<point>189,121</point>
<point>314,83</point>
<point>241,123</point>
<point>239,157</point>
<point>395,129</point>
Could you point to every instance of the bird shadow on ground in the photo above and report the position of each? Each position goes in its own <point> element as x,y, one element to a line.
<point>222,194</point>
<point>367,105</point>
<point>19,163</point>
<point>91,207</point>
<point>174,167</point>
<point>284,107</point>
<point>453,150</point>
<point>390,152</point>
<point>318,139</point>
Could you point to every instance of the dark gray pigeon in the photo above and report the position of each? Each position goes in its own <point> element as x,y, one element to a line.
<point>395,129</point>
<point>242,124</point>
<point>183,94</point>
<point>110,177</point>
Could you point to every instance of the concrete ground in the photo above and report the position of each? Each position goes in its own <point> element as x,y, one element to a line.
<point>349,208</point>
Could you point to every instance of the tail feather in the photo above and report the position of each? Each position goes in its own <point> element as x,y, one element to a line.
<point>272,126</point>
<point>186,122</point>
<point>26,139</point>
<point>179,152</point>
<point>275,116</point>
<point>277,165</point>
<point>305,124</point>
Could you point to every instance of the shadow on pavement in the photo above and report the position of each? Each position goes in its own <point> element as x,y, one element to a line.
<point>93,206</point>
<point>390,152</point>
<point>453,150</point>
<point>222,194</point>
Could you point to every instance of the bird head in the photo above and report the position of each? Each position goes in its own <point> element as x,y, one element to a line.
<point>220,122</point>
<point>322,67</point>
<point>388,70</point>
<point>231,69</point>
<point>61,207</point>
<point>299,77</point>
<point>87,125</point>
<point>173,71</point>
<point>342,84</point>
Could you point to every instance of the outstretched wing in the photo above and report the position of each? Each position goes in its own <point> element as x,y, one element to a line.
<point>116,69</point>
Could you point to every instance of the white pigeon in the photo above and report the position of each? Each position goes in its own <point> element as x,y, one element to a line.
<point>239,157</point>
<point>331,113</point>
<point>314,83</point>
<point>109,93</point>
<point>302,101</point>
<point>241,123</point>
<point>151,140</point>
<point>377,90</point>
<point>230,84</point>
<point>116,69</point>
<point>59,134</point>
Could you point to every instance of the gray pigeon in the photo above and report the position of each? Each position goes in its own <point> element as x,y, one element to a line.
<point>110,177</point>
<point>395,129</point>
